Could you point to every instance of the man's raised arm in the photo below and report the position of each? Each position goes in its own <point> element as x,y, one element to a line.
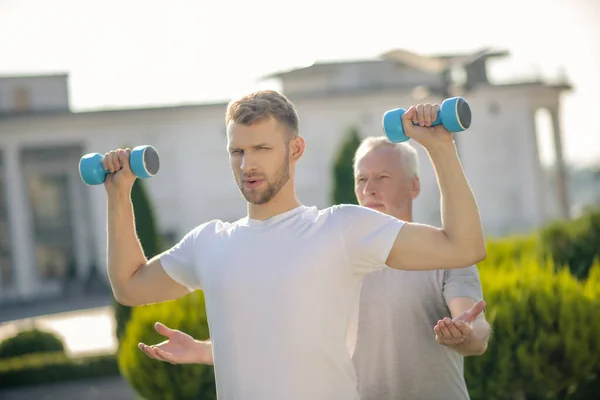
<point>460,241</point>
<point>134,279</point>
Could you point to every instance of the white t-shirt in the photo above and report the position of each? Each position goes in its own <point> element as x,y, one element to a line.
<point>282,297</point>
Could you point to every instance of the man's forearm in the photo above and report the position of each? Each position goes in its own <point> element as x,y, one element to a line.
<point>125,254</point>
<point>476,345</point>
<point>459,212</point>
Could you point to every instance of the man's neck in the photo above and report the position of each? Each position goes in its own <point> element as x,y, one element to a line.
<point>281,203</point>
<point>405,216</point>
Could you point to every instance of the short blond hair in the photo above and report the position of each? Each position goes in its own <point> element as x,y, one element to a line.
<point>261,105</point>
<point>409,155</point>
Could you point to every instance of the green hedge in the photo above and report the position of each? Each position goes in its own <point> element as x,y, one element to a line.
<point>154,379</point>
<point>574,243</point>
<point>501,251</point>
<point>592,283</point>
<point>43,368</point>
<point>30,341</point>
<point>545,332</point>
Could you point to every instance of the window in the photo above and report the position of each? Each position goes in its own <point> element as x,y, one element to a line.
<point>48,174</point>
<point>6,263</point>
<point>49,196</point>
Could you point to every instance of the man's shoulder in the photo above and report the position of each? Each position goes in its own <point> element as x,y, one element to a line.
<point>345,209</point>
<point>336,212</point>
<point>357,214</point>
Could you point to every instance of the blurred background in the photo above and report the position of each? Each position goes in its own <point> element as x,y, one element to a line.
<point>89,76</point>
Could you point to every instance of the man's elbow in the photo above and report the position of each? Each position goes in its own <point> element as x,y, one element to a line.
<point>475,253</point>
<point>124,300</point>
<point>467,250</point>
<point>122,297</point>
<point>480,254</point>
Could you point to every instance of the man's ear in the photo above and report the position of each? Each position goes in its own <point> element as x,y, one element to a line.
<point>415,188</point>
<point>297,146</point>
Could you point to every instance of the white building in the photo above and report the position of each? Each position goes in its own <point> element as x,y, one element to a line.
<point>51,221</point>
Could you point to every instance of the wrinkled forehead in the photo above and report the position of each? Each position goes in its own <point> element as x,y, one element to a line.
<point>378,161</point>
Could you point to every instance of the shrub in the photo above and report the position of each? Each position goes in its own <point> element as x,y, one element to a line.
<point>575,243</point>
<point>52,367</point>
<point>343,169</point>
<point>592,283</point>
<point>154,379</point>
<point>591,389</point>
<point>545,333</point>
<point>149,240</point>
<point>30,341</point>
<point>504,251</point>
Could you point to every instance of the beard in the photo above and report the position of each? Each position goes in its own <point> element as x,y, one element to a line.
<point>262,196</point>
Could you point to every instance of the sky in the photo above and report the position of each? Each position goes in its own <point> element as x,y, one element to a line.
<point>132,53</point>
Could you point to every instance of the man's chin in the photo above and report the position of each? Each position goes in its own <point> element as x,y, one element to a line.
<point>254,197</point>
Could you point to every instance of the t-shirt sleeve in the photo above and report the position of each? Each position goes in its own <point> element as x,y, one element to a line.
<point>368,236</point>
<point>180,261</point>
<point>462,282</point>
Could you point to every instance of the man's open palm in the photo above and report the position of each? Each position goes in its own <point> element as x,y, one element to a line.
<point>179,348</point>
<point>458,330</point>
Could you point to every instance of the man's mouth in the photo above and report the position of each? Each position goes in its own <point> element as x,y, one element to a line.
<point>252,183</point>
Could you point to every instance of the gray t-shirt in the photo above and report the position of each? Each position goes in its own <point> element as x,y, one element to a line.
<point>396,355</point>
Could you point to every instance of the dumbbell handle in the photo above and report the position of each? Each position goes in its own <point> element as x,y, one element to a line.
<point>435,122</point>
<point>101,159</point>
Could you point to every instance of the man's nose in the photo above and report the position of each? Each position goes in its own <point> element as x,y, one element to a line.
<point>248,164</point>
<point>369,188</point>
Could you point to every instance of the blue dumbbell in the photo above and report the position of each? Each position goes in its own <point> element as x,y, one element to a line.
<point>454,115</point>
<point>144,162</point>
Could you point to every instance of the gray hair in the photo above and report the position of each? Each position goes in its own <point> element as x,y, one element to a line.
<point>409,155</point>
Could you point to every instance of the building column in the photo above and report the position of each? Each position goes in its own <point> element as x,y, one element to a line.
<point>562,179</point>
<point>20,223</point>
